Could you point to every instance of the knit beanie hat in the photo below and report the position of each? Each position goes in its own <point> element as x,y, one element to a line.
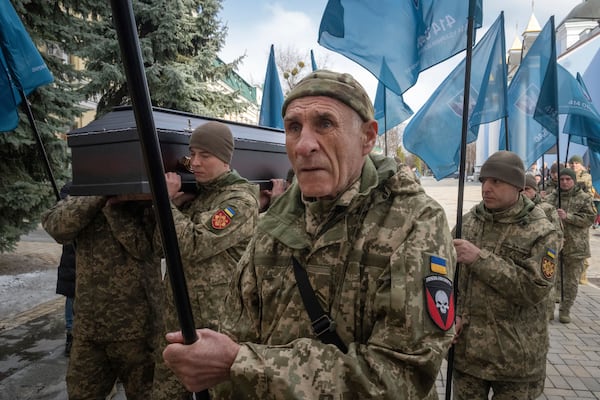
<point>215,138</point>
<point>342,87</point>
<point>531,182</point>
<point>506,166</point>
<point>570,172</point>
<point>576,159</point>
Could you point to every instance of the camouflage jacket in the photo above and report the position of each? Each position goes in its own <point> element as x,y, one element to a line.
<point>549,187</point>
<point>551,214</point>
<point>581,213</point>
<point>502,295</point>
<point>367,254</point>
<point>213,230</point>
<point>111,300</point>
<point>584,180</point>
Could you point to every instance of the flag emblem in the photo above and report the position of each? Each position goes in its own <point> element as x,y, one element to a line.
<point>438,265</point>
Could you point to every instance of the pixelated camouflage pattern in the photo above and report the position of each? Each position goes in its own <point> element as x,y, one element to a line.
<point>111,304</point>
<point>581,213</point>
<point>368,275</point>
<point>95,366</point>
<point>572,267</point>
<point>551,214</point>
<point>466,387</point>
<point>340,86</point>
<point>584,180</point>
<point>503,295</point>
<point>549,186</point>
<point>209,257</point>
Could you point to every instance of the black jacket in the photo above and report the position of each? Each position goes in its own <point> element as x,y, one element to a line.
<point>65,284</point>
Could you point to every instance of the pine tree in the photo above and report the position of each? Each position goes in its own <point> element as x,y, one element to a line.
<point>25,188</point>
<point>179,41</point>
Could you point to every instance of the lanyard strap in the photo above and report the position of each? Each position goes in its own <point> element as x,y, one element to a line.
<point>322,324</point>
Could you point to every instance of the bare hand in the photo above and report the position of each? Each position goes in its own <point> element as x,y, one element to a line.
<point>204,363</point>
<point>458,324</point>
<point>561,213</point>
<point>466,252</point>
<point>173,181</point>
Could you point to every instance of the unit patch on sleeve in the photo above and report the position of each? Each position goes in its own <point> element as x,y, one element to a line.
<point>222,218</point>
<point>548,265</point>
<point>439,299</point>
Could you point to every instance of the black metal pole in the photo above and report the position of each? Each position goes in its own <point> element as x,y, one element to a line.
<point>461,173</point>
<point>506,133</point>
<point>39,142</point>
<point>131,54</point>
<point>385,119</point>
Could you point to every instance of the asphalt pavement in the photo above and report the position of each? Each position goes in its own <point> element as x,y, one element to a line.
<point>32,364</point>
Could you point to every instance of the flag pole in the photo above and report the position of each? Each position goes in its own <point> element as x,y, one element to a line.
<point>140,98</point>
<point>461,174</point>
<point>506,132</point>
<point>567,152</point>
<point>38,140</point>
<point>385,120</point>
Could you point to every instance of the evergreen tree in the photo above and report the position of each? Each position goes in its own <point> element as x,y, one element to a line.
<point>179,41</point>
<point>25,188</point>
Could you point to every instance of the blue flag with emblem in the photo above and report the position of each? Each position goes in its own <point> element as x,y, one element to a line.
<point>272,100</point>
<point>396,39</point>
<point>583,120</point>
<point>434,133</point>
<point>533,100</point>
<point>390,109</point>
<point>22,66</point>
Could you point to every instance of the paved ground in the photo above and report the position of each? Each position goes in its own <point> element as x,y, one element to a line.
<point>32,329</point>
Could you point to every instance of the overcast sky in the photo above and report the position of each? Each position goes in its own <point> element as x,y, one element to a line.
<point>254,25</point>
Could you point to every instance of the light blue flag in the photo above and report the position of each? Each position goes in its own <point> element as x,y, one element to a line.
<point>313,63</point>
<point>390,109</point>
<point>583,119</point>
<point>397,39</point>
<point>434,133</point>
<point>533,101</point>
<point>594,154</point>
<point>272,100</point>
<point>21,66</point>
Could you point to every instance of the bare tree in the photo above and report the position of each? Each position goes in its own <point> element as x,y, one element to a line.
<point>294,64</point>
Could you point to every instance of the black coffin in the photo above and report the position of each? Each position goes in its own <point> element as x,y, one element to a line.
<point>107,158</point>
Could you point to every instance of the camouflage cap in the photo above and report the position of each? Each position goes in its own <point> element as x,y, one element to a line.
<point>505,166</point>
<point>342,87</point>
<point>570,172</point>
<point>576,159</point>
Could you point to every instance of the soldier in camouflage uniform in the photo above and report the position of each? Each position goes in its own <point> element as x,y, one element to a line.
<point>551,184</point>
<point>584,180</point>
<point>213,229</point>
<point>378,255</point>
<point>530,191</point>
<point>577,213</point>
<point>507,269</point>
<point>111,330</point>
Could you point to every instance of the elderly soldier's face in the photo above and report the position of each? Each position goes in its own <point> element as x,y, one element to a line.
<point>326,143</point>
<point>206,166</point>
<point>498,195</point>
<point>566,182</point>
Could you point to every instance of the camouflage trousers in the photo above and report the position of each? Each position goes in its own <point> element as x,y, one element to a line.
<point>95,366</point>
<point>572,268</point>
<point>166,386</point>
<point>468,387</point>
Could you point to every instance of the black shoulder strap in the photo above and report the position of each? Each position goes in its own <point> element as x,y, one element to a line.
<point>322,324</point>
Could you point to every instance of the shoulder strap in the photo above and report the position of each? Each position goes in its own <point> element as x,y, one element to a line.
<point>322,324</point>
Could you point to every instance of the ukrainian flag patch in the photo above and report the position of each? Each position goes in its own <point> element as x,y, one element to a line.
<point>229,211</point>
<point>438,265</point>
<point>551,253</point>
